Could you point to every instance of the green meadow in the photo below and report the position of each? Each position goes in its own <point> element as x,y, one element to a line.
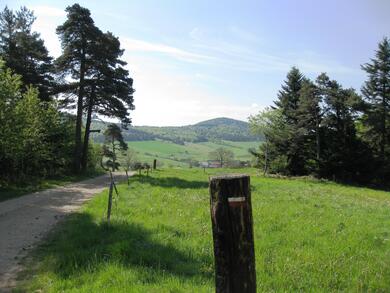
<point>176,155</point>
<point>309,236</point>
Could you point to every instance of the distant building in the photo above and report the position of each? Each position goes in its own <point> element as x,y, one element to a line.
<point>210,164</point>
<point>214,164</point>
<point>217,164</point>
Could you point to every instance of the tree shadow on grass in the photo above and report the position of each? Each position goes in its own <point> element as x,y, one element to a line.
<point>171,182</point>
<point>82,245</point>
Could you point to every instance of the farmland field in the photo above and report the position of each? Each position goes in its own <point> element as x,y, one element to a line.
<point>174,155</point>
<point>309,236</point>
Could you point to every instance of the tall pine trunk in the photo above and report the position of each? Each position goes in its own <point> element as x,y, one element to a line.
<point>114,154</point>
<point>318,142</point>
<point>79,117</point>
<point>383,161</point>
<point>383,126</point>
<point>84,160</point>
<point>266,159</point>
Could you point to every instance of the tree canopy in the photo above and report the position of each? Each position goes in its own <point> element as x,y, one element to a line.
<point>329,131</point>
<point>24,51</point>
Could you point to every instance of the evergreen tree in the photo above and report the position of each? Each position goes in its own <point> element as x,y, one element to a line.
<point>341,144</point>
<point>309,125</point>
<point>101,82</point>
<point>376,91</point>
<point>288,97</point>
<point>78,36</point>
<point>113,144</point>
<point>288,104</point>
<point>24,51</point>
<point>110,89</point>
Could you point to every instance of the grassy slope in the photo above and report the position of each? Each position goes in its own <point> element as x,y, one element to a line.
<point>170,153</point>
<point>309,236</point>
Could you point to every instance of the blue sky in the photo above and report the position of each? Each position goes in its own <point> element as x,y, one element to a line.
<point>196,60</point>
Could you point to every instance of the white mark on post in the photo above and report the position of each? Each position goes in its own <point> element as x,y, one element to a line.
<point>236,199</point>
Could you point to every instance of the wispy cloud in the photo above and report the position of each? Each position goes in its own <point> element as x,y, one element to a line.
<point>224,54</point>
<point>132,44</point>
<point>248,55</point>
<point>173,93</point>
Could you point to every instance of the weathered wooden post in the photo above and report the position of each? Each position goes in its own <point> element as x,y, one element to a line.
<point>231,217</point>
<point>113,182</point>
<point>110,201</point>
<point>154,164</point>
<point>127,176</point>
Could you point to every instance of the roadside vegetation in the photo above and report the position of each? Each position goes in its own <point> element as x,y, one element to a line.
<point>40,140</point>
<point>15,190</point>
<point>308,234</point>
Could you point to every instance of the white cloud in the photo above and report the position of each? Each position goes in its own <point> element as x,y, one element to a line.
<point>164,98</point>
<point>48,18</point>
<point>48,11</point>
<point>131,44</point>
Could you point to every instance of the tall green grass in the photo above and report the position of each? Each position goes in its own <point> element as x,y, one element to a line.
<point>309,236</point>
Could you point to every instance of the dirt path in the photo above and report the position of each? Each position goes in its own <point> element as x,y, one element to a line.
<point>26,220</point>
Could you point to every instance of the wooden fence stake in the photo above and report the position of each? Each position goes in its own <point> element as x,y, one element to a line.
<point>231,217</point>
<point>109,202</point>
<point>154,164</point>
<point>127,176</point>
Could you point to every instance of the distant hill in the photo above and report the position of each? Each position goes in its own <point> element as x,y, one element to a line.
<point>210,130</point>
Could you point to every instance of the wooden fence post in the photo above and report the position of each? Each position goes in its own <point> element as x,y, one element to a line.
<point>110,201</point>
<point>154,164</point>
<point>231,217</point>
<point>127,176</point>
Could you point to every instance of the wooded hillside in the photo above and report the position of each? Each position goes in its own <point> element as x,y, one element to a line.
<point>209,130</point>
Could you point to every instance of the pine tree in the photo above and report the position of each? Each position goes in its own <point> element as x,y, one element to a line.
<point>24,51</point>
<point>288,104</point>
<point>78,35</point>
<point>340,140</point>
<point>309,125</point>
<point>376,92</point>
<point>113,143</point>
<point>288,97</point>
<point>110,89</point>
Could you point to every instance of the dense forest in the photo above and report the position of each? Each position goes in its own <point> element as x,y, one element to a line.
<point>43,100</point>
<point>320,128</point>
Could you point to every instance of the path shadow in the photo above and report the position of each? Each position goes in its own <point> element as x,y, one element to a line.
<point>81,245</point>
<point>171,182</point>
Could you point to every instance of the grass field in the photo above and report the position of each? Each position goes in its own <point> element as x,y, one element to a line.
<point>173,155</point>
<point>309,236</point>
